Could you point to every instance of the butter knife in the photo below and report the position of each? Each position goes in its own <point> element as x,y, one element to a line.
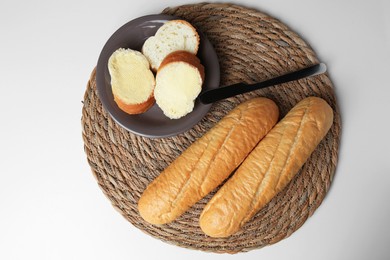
<point>213,95</point>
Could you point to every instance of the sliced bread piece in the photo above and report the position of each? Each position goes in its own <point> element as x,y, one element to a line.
<point>132,81</point>
<point>171,36</point>
<point>178,82</point>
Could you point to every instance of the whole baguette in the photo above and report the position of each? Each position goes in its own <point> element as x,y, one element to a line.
<point>208,161</point>
<point>268,168</point>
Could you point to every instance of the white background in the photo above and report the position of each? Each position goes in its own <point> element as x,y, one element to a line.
<point>52,208</point>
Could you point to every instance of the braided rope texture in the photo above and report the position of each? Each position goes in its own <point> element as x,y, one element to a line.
<point>251,46</point>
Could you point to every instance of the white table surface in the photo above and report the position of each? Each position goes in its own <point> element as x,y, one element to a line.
<point>52,208</point>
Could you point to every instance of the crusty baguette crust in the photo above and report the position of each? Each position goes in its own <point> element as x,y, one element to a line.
<point>134,109</point>
<point>268,168</point>
<point>208,161</point>
<point>183,56</point>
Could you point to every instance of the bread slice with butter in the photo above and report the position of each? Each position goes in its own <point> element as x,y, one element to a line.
<point>132,81</point>
<point>179,81</point>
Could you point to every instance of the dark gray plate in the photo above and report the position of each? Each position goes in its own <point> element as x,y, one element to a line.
<point>152,123</point>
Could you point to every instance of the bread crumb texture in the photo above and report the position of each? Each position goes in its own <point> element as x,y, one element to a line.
<point>171,36</point>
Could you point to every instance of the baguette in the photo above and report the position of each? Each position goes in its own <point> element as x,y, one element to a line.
<point>268,168</point>
<point>208,161</point>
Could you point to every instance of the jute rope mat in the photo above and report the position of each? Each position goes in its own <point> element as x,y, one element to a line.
<point>251,46</point>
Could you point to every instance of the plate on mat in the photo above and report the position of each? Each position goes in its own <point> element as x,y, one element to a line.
<point>251,46</point>
<point>152,123</point>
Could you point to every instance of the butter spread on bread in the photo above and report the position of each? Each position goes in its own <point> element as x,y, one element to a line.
<point>268,168</point>
<point>172,36</point>
<point>206,163</point>
<point>179,81</point>
<point>132,81</point>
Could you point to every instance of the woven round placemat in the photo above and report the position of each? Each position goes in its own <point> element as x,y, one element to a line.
<point>251,46</point>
